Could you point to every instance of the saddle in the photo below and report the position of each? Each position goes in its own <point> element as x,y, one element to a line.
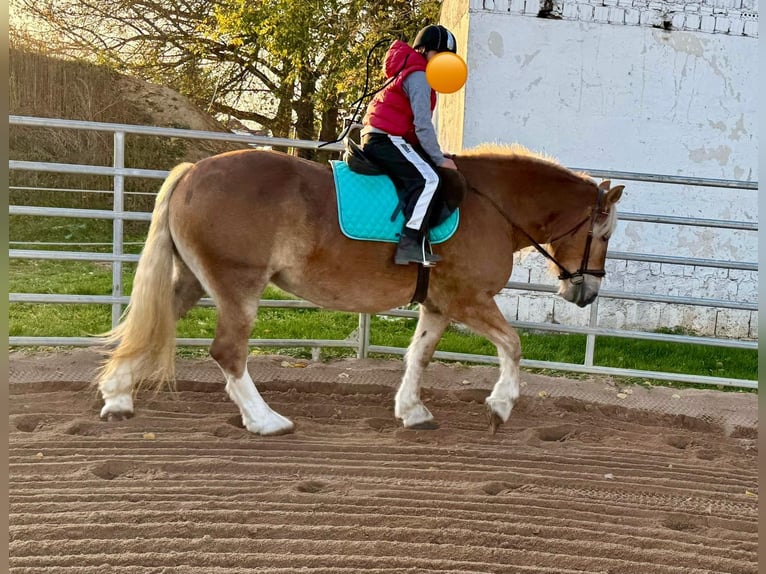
<point>447,198</point>
<point>448,195</point>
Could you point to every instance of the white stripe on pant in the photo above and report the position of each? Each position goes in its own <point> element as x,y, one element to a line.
<point>429,175</point>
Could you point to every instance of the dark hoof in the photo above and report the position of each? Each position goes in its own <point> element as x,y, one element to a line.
<point>494,419</point>
<point>117,416</point>
<point>426,425</point>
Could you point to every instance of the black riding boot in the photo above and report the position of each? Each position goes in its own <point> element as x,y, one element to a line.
<point>412,250</point>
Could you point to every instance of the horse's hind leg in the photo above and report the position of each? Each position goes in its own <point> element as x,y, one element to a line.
<point>187,289</point>
<point>408,406</point>
<point>230,351</point>
<point>486,319</point>
<point>117,389</point>
<point>117,392</point>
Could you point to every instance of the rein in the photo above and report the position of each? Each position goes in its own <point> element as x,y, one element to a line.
<point>578,276</point>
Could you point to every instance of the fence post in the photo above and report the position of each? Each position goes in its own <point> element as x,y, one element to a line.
<point>363,336</point>
<point>590,340</point>
<point>117,225</point>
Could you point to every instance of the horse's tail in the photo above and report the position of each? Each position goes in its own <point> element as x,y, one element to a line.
<point>146,337</point>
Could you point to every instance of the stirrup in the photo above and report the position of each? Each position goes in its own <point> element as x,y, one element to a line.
<point>421,257</point>
<point>419,261</point>
<point>430,259</point>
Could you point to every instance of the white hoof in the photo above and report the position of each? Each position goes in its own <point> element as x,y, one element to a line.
<point>501,407</point>
<point>416,415</point>
<point>274,424</point>
<point>119,406</point>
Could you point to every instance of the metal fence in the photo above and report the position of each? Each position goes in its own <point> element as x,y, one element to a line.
<point>360,340</point>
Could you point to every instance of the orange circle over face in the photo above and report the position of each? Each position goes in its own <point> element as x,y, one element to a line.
<point>446,72</point>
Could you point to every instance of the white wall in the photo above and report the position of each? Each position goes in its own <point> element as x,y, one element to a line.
<point>603,89</point>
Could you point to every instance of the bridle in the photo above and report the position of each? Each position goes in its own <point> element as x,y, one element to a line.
<point>578,276</point>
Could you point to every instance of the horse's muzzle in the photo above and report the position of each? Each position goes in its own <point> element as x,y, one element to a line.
<point>581,293</point>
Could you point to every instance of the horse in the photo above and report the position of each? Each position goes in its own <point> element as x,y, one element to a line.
<point>232,223</point>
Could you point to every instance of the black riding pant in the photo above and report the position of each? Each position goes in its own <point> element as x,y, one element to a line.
<point>412,172</point>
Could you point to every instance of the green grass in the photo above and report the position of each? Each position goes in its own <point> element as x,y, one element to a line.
<point>77,233</point>
<point>75,277</point>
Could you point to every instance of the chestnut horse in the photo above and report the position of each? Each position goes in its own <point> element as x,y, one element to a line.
<point>230,224</point>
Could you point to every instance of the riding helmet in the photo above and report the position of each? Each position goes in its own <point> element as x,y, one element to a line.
<point>436,37</point>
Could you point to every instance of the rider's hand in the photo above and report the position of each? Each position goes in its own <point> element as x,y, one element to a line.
<point>448,163</point>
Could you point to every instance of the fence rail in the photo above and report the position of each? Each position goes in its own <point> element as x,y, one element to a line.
<point>361,340</point>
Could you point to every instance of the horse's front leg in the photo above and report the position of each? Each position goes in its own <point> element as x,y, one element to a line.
<point>487,320</point>
<point>408,407</point>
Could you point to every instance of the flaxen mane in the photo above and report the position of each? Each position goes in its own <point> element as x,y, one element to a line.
<point>514,149</point>
<point>603,227</point>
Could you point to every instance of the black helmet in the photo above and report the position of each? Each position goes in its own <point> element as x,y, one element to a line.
<point>436,38</point>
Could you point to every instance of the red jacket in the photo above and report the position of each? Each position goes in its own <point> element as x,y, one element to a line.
<point>390,109</point>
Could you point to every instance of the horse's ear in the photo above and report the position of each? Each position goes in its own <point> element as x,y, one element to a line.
<point>605,184</point>
<point>614,194</point>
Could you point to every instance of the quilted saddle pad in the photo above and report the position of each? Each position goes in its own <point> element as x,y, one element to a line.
<point>366,203</point>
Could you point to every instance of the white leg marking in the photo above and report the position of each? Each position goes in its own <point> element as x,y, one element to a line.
<point>506,390</point>
<point>117,391</point>
<point>407,405</point>
<point>257,416</point>
<point>491,323</point>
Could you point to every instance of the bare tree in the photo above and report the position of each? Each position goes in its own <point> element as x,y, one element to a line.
<point>291,67</point>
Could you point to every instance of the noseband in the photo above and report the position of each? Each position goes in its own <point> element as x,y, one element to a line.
<point>578,276</point>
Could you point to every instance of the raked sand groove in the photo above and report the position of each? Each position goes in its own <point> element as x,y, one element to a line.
<point>578,481</point>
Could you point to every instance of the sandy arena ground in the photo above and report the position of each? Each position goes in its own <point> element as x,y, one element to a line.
<point>586,476</point>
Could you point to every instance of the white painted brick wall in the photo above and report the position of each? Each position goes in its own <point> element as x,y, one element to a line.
<point>718,16</point>
<point>753,334</point>
<point>570,11</point>
<point>737,27</point>
<point>708,24</point>
<point>567,314</point>
<point>601,14</point>
<point>650,18</point>
<point>616,15</point>
<point>508,301</point>
<point>722,24</point>
<point>532,7</point>
<point>632,16</point>
<point>733,323</point>
<point>747,284</point>
<point>585,12</point>
<point>517,6</point>
<point>533,306</point>
<point>630,97</point>
<point>678,20</point>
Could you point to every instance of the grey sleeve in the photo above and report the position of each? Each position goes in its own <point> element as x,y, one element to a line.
<point>419,92</point>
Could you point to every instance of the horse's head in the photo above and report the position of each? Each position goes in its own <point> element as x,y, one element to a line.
<point>582,252</point>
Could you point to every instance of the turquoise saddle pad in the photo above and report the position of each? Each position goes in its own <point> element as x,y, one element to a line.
<point>365,205</point>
